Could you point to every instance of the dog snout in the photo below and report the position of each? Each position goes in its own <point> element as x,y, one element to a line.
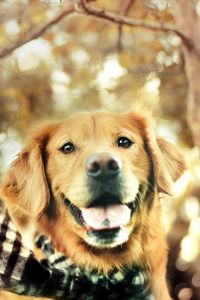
<point>103,166</point>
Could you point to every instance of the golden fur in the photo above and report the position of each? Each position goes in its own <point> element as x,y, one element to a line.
<point>43,168</point>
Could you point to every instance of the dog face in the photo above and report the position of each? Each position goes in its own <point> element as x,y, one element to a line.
<point>92,178</point>
<point>99,175</point>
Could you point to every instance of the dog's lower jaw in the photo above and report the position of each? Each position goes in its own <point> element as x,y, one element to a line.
<point>119,238</point>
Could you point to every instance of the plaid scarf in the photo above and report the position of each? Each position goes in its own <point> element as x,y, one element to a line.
<point>56,276</point>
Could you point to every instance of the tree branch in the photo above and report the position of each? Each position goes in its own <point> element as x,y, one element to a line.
<point>126,6</point>
<point>36,32</point>
<point>82,6</point>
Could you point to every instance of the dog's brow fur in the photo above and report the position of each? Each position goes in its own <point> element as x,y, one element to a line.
<point>94,123</point>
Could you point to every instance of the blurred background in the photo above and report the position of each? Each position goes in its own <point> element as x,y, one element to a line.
<point>77,63</point>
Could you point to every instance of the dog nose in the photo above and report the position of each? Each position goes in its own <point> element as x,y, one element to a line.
<point>103,165</point>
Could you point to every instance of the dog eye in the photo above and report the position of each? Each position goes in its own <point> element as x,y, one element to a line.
<point>124,142</point>
<point>67,148</point>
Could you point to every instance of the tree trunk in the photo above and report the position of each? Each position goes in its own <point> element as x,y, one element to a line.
<point>188,23</point>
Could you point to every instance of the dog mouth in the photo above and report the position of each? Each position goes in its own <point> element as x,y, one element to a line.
<point>106,217</point>
<point>107,214</point>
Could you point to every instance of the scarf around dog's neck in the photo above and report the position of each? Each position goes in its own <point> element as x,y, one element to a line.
<point>126,284</point>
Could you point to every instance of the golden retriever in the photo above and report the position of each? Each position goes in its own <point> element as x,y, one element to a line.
<point>92,184</point>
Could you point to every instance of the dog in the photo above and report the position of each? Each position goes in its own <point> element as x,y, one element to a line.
<point>92,184</point>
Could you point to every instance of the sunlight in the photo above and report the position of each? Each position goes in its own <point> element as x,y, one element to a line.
<point>9,148</point>
<point>30,55</point>
<point>60,82</point>
<point>111,72</point>
<point>152,85</point>
<point>80,57</point>
<point>195,227</point>
<point>189,248</point>
<point>160,4</point>
<point>182,183</point>
<point>191,206</point>
<point>12,27</point>
<point>61,77</point>
<point>198,8</point>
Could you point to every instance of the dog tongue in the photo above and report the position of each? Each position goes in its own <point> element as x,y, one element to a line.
<point>108,217</point>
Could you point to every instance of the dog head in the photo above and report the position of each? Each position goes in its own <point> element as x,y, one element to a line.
<point>91,177</point>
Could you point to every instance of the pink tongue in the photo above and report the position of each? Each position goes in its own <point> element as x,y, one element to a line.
<point>108,217</point>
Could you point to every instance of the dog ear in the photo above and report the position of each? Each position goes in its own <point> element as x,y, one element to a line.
<point>167,162</point>
<point>25,185</point>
